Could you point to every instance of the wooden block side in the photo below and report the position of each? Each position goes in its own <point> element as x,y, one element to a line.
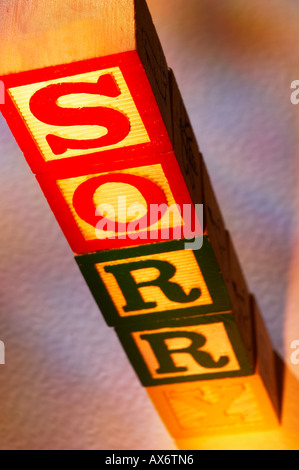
<point>266,357</point>
<point>214,223</point>
<point>185,145</point>
<point>218,407</point>
<point>229,265</point>
<point>241,300</point>
<point>152,56</point>
<point>65,31</point>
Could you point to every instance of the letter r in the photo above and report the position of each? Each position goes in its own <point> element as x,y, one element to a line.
<point>130,288</point>
<point>163,354</point>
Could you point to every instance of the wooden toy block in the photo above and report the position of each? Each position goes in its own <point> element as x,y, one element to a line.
<point>114,205</point>
<point>215,407</point>
<point>185,349</point>
<point>68,33</point>
<point>83,113</point>
<point>185,145</point>
<point>153,282</point>
<point>241,299</point>
<point>266,357</point>
<point>103,125</point>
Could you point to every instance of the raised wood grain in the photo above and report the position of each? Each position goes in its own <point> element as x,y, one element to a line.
<point>241,299</point>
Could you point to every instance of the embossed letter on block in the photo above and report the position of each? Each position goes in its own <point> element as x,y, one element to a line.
<point>185,349</point>
<point>227,406</point>
<point>84,112</point>
<point>163,280</point>
<point>121,204</point>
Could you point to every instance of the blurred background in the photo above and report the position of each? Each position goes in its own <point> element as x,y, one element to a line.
<point>67,383</point>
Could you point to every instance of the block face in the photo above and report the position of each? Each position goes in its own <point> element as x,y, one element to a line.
<point>185,144</point>
<point>105,88</point>
<point>227,406</point>
<point>185,350</point>
<point>80,113</point>
<point>214,225</point>
<point>117,205</point>
<point>150,283</point>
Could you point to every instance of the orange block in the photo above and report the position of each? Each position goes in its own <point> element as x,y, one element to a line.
<point>217,407</point>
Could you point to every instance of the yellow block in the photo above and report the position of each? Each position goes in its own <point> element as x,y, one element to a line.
<point>215,407</point>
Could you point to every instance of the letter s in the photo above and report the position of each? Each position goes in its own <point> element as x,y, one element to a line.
<point>294,95</point>
<point>44,106</point>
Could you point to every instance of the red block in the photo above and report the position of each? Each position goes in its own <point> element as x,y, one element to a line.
<point>115,204</point>
<point>84,113</point>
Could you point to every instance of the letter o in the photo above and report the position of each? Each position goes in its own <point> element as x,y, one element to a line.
<point>83,199</point>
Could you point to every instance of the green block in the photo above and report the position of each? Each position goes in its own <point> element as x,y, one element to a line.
<point>185,350</point>
<point>155,282</point>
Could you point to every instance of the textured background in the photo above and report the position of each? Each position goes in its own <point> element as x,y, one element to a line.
<point>67,383</point>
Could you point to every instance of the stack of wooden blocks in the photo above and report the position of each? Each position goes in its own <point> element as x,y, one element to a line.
<point>115,128</point>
